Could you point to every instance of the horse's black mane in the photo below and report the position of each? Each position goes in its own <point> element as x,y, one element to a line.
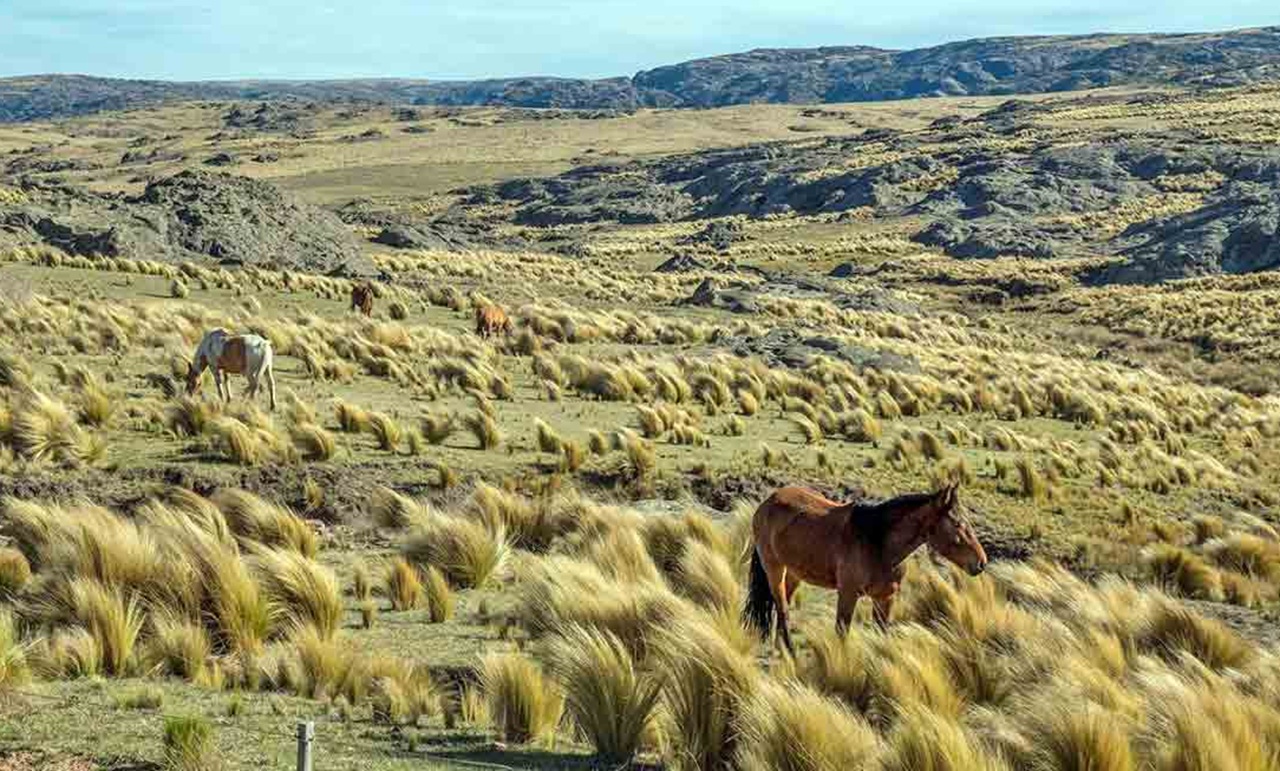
<point>873,519</point>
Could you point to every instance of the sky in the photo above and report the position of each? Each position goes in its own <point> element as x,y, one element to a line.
<point>465,39</point>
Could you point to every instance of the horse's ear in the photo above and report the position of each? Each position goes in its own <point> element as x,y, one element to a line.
<point>948,496</point>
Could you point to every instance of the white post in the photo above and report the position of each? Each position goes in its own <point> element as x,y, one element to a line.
<point>306,735</point>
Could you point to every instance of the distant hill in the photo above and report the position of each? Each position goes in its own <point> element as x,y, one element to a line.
<point>1008,65</point>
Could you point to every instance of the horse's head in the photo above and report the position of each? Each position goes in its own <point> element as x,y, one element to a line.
<point>953,537</point>
<point>193,378</point>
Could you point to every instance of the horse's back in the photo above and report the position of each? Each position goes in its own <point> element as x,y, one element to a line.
<point>794,501</point>
<point>802,529</point>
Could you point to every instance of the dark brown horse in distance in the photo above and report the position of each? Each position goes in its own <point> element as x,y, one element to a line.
<point>855,548</point>
<point>362,298</point>
<point>492,320</point>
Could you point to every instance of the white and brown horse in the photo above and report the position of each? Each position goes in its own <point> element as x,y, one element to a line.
<point>248,355</point>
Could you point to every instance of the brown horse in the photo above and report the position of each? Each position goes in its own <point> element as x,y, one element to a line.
<point>492,320</point>
<point>362,298</point>
<point>855,548</point>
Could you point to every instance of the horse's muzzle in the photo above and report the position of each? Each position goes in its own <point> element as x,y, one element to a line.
<point>976,568</point>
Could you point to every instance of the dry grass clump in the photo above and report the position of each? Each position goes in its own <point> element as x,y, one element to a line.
<point>392,510</point>
<point>1170,630</point>
<point>926,741</point>
<point>611,701</point>
<point>484,428</point>
<point>439,597</point>
<point>177,647</point>
<point>1249,554</point>
<point>522,703</point>
<point>15,572</point>
<point>43,429</point>
<point>404,586</point>
<point>314,442</point>
<point>437,428</point>
<point>708,681</point>
<point>469,554</point>
<point>14,669</point>
<point>256,521</point>
<point>351,418</point>
<point>1183,572</point>
<point>188,741</point>
<point>385,431</point>
<point>307,592</point>
<point>790,727</point>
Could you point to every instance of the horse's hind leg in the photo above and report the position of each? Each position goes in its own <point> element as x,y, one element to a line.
<point>777,574</point>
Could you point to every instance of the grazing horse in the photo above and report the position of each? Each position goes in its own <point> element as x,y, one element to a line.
<point>855,548</point>
<point>362,298</point>
<point>492,320</point>
<point>247,355</point>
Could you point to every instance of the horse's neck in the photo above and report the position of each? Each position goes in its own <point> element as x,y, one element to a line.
<point>909,530</point>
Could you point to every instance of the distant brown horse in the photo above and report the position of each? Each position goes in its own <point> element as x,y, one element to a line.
<point>492,320</point>
<point>362,298</point>
<point>855,548</point>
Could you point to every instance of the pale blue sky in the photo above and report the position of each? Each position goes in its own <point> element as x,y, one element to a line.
<point>203,39</point>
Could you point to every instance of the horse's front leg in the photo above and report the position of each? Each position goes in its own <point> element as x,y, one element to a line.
<point>218,384</point>
<point>883,606</point>
<point>846,602</point>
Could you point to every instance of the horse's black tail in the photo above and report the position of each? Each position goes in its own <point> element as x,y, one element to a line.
<point>758,612</point>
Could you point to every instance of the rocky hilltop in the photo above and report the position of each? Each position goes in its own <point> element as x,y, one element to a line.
<point>1005,65</point>
<point>191,215</point>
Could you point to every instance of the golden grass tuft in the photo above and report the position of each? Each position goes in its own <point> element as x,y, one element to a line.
<point>609,698</point>
<point>177,647</point>
<point>437,428</point>
<point>256,521</point>
<point>351,418</point>
<point>484,428</point>
<point>15,572</point>
<point>523,704</point>
<point>385,431</point>
<point>1183,572</point>
<point>1078,736</point>
<point>438,596</point>
<point>306,592</point>
<point>1171,629</point>
<point>469,554</point>
<point>392,510</point>
<point>113,620</point>
<point>404,586</point>
<point>925,741</point>
<point>789,727</point>
<point>43,429</point>
<point>188,743</point>
<point>14,668</point>
<point>314,442</point>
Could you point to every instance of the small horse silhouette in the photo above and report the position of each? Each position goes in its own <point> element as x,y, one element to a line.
<point>855,548</point>
<point>492,320</point>
<point>362,298</point>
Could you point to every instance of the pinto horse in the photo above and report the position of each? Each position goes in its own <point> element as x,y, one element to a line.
<point>362,298</point>
<point>247,355</point>
<point>855,548</point>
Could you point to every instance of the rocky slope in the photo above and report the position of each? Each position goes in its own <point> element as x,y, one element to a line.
<point>1167,203</point>
<point>191,215</point>
<point>987,66</point>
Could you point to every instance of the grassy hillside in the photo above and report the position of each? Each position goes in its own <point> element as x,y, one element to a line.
<point>528,550</point>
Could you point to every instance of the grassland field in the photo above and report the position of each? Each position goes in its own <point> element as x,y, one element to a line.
<point>528,550</point>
